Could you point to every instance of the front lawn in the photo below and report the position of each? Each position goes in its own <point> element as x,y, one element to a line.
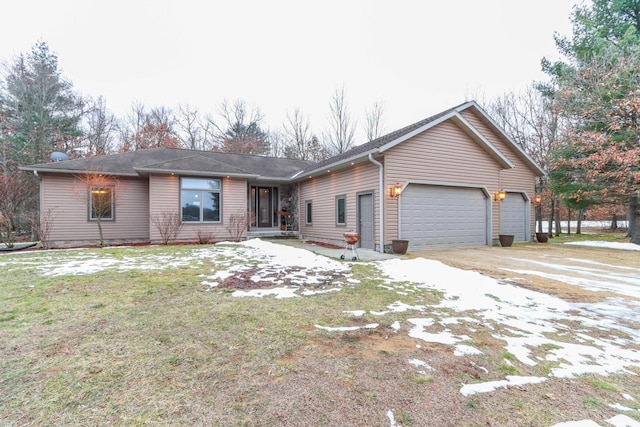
<point>182,336</point>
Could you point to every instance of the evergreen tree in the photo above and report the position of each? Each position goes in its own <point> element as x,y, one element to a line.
<point>40,111</point>
<point>598,89</point>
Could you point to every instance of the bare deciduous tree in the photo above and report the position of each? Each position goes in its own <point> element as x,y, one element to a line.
<point>300,141</point>
<point>193,130</point>
<point>145,129</point>
<point>42,226</point>
<point>101,128</point>
<point>239,130</point>
<point>531,120</point>
<point>374,125</point>
<point>168,225</point>
<point>99,193</point>
<point>16,193</point>
<point>237,225</point>
<point>340,136</point>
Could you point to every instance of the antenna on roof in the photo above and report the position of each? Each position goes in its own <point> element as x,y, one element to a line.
<point>58,156</point>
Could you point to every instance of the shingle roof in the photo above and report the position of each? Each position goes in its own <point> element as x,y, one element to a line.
<point>180,161</point>
<point>168,160</point>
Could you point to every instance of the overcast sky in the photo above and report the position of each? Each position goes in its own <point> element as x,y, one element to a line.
<point>416,57</point>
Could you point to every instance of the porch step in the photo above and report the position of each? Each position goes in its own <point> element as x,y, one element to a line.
<point>270,232</point>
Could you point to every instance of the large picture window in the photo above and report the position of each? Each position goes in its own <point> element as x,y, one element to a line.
<point>341,210</point>
<point>200,199</point>
<point>101,206</point>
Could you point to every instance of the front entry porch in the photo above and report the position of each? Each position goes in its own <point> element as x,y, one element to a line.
<point>272,210</point>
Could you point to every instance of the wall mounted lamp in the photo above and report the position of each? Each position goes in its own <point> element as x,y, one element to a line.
<point>395,190</point>
<point>537,199</point>
<point>500,196</point>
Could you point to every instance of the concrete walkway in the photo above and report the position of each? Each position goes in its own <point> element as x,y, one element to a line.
<point>363,254</point>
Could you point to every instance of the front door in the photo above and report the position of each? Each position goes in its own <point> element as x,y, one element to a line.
<point>365,220</point>
<point>264,207</point>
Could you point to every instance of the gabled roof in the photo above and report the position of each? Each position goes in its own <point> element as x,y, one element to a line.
<point>392,139</point>
<point>192,162</point>
<point>173,160</point>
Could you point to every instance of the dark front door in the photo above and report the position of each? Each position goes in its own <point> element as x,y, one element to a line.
<point>365,220</point>
<point>264,207</point>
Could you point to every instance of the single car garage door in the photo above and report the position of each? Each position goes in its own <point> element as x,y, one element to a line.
<point>440,216</point>
<point>513,216</point>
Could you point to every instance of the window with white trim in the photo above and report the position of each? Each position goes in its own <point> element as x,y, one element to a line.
<point>200,199</point>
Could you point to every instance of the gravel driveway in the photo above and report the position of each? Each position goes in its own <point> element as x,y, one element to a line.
<point>575,273</point>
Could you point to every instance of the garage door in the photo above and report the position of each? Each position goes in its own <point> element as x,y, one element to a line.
<point>439,216</point>
<point>513,216</point>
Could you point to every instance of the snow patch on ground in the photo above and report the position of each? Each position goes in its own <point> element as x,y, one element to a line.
<point>610,245</point>
<point>512,380</point>
<point>578,338</point>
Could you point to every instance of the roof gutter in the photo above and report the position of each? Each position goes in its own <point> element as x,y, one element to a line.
<point>75,172</point>
<point>147,171</point>
<point>306,173</point>
<point>381,198</point>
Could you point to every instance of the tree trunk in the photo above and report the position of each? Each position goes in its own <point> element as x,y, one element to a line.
<point>614,222</point>
<point>579,226</point>
<point>634,219</point>
<point>101,243</point>
<point>539,218</point>
<point>558,224</point>
<point>569,221</point>
<point>551,214</point>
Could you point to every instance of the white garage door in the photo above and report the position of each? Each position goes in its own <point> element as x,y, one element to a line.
<point>439,216</point>
<point>513,216</point>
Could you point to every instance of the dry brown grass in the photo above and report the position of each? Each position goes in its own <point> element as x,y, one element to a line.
<point>157,348</point>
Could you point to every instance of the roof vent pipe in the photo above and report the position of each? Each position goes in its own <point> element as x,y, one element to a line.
<point>381,200</point>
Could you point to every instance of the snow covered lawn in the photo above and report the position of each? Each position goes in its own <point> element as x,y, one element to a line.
<point>462,315</point>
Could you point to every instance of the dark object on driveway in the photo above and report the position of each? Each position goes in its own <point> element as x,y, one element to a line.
<point>18,248</point>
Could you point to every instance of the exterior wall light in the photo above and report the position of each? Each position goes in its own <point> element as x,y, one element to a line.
<point>500,196</point>
<point>395,190</point>
<point>537,199</point>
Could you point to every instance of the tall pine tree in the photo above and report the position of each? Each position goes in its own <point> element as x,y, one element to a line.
<point>39,110</point>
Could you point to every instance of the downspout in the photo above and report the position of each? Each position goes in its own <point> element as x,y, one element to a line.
<point>381,199</point>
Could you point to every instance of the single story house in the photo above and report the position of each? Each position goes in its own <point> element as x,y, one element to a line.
<point>451,180</point>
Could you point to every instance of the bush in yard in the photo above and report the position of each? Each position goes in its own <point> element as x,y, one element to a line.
<point>237,225</point>
<point>16,192</point>
<point>168,225</point>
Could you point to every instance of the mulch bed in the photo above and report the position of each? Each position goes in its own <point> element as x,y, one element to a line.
<point>243,280</point>
<point>323,245</point>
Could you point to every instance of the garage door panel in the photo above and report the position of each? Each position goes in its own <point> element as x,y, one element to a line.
<point>513,216</point>
<point>438,216</point>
